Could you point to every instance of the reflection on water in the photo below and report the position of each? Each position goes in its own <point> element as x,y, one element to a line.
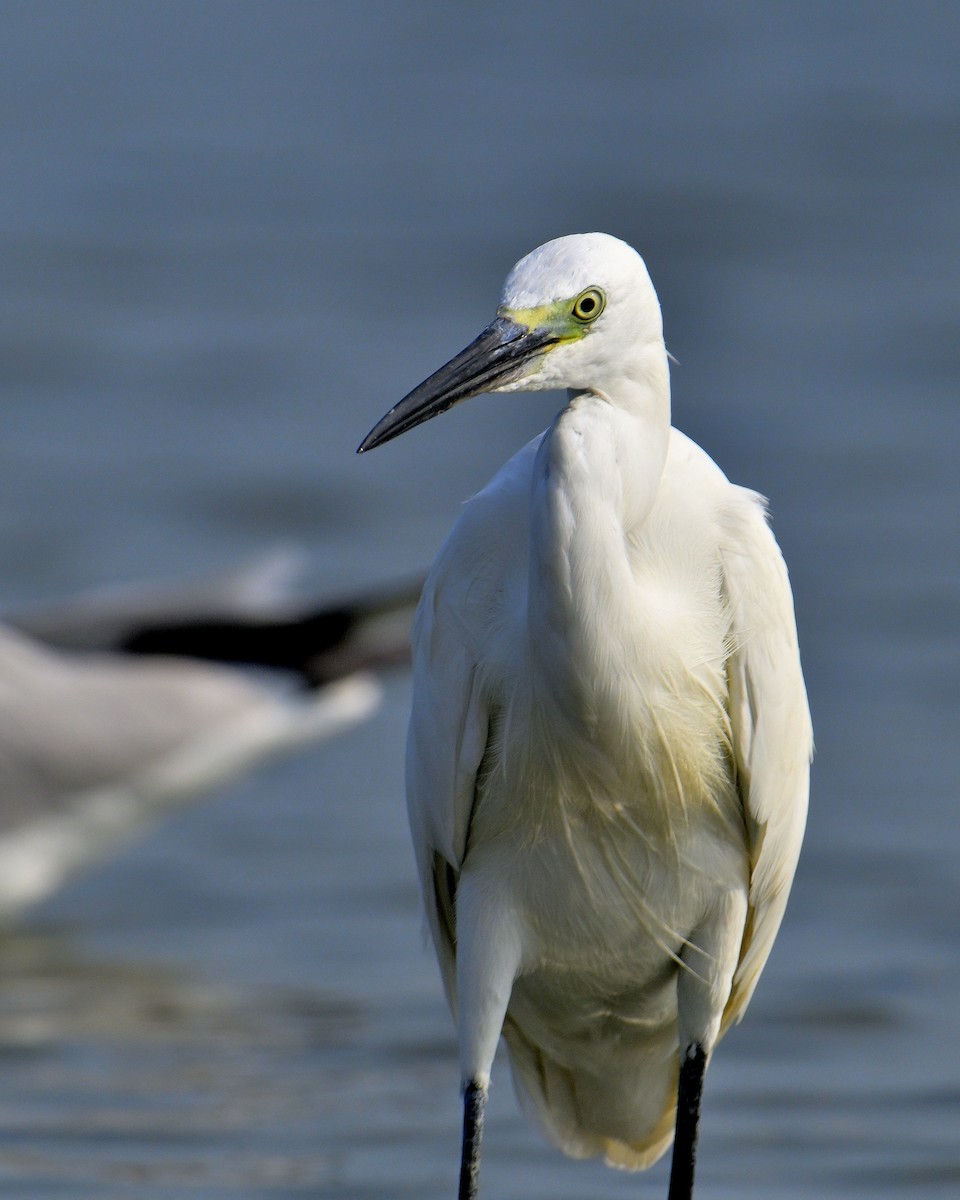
<point>120,1076</point>
<point>127,1074</point>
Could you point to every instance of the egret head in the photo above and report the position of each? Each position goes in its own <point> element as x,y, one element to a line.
<point>574,313</point>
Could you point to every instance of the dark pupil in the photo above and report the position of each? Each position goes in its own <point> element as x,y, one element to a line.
<point>587,304</point>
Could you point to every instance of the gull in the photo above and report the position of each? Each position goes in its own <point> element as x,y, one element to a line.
<point>113,720</point>
<point>609,748</point>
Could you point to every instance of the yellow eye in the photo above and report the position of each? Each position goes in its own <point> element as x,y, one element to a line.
<point>589,305</point>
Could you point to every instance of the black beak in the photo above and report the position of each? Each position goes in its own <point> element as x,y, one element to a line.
<point>496,357</point>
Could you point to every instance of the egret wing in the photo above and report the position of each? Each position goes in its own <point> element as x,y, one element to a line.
<point>770,723</point>
<point>458,639</point>
<point>448,729</point>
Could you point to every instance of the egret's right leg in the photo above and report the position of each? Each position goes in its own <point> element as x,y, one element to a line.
<point>488,961</point>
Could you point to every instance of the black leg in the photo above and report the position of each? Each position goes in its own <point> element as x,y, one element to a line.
<point>692,1069</point>
<point>474,1101</point>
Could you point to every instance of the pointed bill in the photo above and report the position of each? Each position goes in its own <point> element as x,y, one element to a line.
<point>501,354</point>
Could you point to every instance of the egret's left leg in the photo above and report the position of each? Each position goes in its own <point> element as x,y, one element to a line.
<point>474,1103</point>
<point>692,1069</point>
<point>703,988</point>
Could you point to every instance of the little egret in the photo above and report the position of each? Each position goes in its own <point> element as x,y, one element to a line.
<point>609,749</point>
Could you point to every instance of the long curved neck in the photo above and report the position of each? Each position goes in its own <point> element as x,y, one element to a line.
<point>596,479</point>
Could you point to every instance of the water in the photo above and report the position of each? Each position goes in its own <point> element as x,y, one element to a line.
<point>231,235</point>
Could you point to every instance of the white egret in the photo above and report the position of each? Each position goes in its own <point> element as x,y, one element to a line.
<point>609,749</point>
<point>95,744</point>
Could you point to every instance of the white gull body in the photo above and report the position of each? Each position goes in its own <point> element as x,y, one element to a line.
<point>96,744</point>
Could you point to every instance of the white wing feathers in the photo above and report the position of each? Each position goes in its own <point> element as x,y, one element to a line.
<point>445,747</point>
<point>456,629</point>
<point>447,738</point>
<point>772,734</point>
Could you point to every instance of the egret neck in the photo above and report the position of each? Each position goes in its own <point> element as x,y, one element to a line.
<point>596,478</point>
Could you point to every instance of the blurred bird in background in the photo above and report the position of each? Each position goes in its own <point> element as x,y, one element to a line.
<point>123,703</point>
